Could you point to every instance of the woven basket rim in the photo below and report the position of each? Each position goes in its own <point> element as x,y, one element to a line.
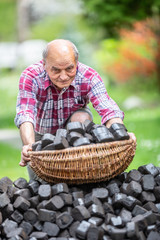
<point>84,147</point>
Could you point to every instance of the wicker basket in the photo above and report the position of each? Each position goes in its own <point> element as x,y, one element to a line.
<point>85,164</point>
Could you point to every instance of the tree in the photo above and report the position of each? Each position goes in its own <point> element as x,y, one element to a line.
<point>124,61</point>
<point>112,15</point>
<point>23,19</point>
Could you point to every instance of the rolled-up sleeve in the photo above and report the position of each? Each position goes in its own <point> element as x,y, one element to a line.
<point>26,110</point>
<point>102,102</point>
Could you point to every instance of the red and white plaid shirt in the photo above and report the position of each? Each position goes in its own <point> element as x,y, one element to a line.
<point>40,103</point>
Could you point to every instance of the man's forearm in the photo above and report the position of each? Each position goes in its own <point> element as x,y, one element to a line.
<point>27,133</point>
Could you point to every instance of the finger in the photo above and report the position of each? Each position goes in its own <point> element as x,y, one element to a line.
<point>24,157</point>
<point>22,163</point>
<point>25,150</point>
<point>132,136</point>
<point>24,160</point>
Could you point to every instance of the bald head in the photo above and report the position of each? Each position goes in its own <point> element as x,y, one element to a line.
<point>60,47</point>
<point>60,62</point>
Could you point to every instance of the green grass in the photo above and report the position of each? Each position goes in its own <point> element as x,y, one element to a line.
<point>145,125</point>
<point>8,96</point>
<point>9,163</point>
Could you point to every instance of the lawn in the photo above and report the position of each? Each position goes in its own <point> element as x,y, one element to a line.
<point>8,96</point>
<point>143,122</point>
<point>145,125</point>
<point>9,163</point>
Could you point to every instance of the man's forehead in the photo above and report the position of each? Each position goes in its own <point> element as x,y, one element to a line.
<point>62,66</point>
<point>61,63</point>
<point>60,48</point>
<point>62,58</point>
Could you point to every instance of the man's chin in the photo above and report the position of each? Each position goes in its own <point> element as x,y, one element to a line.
<point>64,84</point>
<point>60,87</point>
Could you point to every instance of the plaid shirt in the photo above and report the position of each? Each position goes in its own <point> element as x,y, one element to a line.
<point>40,103</point>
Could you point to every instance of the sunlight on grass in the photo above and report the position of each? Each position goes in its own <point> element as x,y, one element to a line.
<point>143,114</point>
<point>8,95</point>
<point>145,125</point>
<point>9,163</point>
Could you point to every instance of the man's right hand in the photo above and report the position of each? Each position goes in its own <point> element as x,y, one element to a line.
<point>24,155</point>
<point>27,136</point>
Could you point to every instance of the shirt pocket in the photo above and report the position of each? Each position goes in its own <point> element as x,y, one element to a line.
<point>78,103</point>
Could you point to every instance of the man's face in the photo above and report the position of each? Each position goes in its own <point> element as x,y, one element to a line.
<point>61,69</point>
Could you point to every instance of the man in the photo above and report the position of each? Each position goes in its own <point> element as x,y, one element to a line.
<point>57,90</point>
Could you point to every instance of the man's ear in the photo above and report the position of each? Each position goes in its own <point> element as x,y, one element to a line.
<point>44,65</point>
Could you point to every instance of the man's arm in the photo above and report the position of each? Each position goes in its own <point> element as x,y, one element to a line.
<point>106,107</point>
<point>28,137</point>
<point>27,133</point>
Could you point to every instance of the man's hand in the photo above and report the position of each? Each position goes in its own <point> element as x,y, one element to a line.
<point>131,135</point>
<point>24,155</point>
<point>113,120</point>
<point>28,138</point>
<point>118,120</point>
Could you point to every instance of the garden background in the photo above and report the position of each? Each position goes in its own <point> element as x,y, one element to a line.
<point>121,40</point>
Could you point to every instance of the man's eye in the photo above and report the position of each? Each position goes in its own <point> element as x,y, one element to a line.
<point>69,69</point>
<point>55,70</point>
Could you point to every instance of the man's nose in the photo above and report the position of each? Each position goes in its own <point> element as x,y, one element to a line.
<point>63,75</point>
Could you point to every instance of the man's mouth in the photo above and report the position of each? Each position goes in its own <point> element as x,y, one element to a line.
<point>63,82</point>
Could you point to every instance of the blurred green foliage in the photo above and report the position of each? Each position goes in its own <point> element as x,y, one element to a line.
<point>51,27</point>
<point>113,15</point>
<point>8,20</point>
<point>130,59</point>
<point>48,28</point>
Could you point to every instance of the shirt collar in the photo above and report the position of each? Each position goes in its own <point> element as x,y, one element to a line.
<point>74,81</point>
<point>47,81</point>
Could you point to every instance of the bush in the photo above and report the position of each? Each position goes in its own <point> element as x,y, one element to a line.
<point>132,58</point>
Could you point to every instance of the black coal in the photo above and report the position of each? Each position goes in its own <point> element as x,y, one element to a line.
<point>126,207</point>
